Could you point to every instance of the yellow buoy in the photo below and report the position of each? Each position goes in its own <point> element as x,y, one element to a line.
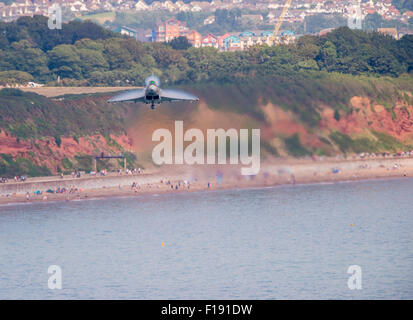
<point>351,225</point>
<point>162,244</point>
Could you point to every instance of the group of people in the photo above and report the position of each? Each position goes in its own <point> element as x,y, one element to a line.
<point>178,185</point>
<point>131,171</point>
<point>135,186</point>
<point>102,173</point>
<point>16,179</point>
<point>58,190</point>
<point>75,174</point>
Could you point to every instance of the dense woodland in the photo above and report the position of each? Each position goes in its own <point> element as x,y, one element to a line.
<point>83,53</point>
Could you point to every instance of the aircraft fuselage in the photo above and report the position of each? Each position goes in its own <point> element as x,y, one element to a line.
<point>152,94</point>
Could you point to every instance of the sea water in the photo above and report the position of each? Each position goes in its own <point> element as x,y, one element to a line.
<point>286,242</point>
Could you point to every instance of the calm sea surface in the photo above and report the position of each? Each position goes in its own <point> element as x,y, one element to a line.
<point>273,243</point>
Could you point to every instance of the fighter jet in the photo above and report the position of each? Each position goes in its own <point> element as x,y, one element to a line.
<point>153,94</point>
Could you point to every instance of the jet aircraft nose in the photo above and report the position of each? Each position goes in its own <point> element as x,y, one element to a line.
<point>153,88</point>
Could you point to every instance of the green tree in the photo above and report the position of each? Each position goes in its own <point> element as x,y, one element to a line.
<point>91,60</point>
<point>372,22</point>
<point>117,55</point>
<point>64,60</point>
<point>180,43</point>
<point>14,76</point>
<point>328,55</point>
<point>337,115</point>
<point>25,57</point>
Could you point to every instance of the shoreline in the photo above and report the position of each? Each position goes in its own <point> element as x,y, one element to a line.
<point>224,177</point>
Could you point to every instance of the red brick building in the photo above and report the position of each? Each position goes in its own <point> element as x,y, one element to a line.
<point>169,30</point>
<point>210,41</point>
<point>194,38</point>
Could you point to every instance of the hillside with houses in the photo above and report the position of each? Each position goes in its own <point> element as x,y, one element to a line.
<point>228,25</point>
<point>270,9</point>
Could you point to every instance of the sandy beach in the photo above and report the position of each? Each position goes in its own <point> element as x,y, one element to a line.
<point>177,179</point>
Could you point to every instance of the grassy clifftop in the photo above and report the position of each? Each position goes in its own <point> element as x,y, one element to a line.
<point>304,93</point>
<point>30,116</point>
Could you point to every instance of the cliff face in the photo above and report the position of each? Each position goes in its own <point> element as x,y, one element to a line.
<point>40,135</point>
<point>396,120</point>
<point>61,154</point>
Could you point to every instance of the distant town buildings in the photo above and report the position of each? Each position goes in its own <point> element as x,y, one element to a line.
<point>209,20</point>
<point>139,34</point>
<point>194,38</point>
<point>389,31</point>
<point>172,28</point>
<point>210,41</point>
<point>296,13</point>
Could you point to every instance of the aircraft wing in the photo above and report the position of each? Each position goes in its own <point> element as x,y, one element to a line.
<point>131,95</point>
<point>177,95</point>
